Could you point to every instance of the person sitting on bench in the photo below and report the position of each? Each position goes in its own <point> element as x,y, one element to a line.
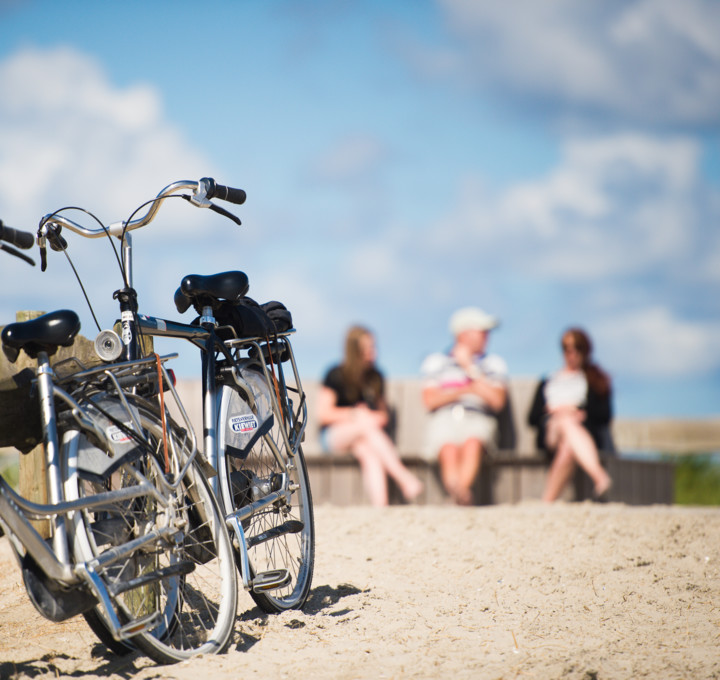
<point>571,410</point>
<point>353,416</point>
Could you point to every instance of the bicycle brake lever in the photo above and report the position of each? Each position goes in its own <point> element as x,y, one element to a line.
<point>225,213</point>
<point>49,232</point>
<point>17,253</point>
<point>43,250</point>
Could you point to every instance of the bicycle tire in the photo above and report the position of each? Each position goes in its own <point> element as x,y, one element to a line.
<point>250,463</point>
<point>197,602</point>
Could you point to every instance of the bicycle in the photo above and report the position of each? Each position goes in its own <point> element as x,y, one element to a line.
<point>137,542</point>
<point>254,410</point>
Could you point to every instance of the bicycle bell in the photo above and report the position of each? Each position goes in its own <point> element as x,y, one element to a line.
<point>108,346</point>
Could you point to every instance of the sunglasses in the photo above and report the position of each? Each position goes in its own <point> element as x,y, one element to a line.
<point>566,348</point>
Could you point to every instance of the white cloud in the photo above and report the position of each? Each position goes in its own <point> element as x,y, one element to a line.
<point>619,224</point>
<point>655,343</point>
<point>691,21</point>
<point>614,227</point>
<point>619,204</point>
<point>68,135</point>
<point>64,82</point>
<point>656,61</point>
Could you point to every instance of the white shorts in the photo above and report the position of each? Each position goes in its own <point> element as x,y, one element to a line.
<point>455,425</point>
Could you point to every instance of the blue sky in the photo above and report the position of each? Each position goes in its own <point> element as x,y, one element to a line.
<point>556,163</point>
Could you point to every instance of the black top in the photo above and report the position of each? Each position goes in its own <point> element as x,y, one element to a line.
<point>598,408</point>
<point>335,380</point>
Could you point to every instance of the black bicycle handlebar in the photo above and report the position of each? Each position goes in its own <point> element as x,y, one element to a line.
<point>16,237</point>
<point>224,193</point>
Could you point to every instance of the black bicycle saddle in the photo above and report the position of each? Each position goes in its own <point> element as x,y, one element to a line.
<point>200,290</point>
<point>45,333</point>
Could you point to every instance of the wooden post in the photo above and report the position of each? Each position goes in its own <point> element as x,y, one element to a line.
<point>32,479</point>
<point>18,413</point>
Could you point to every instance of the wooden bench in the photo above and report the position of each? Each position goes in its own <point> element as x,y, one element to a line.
<point>505,478</point>
<point>516,472</point>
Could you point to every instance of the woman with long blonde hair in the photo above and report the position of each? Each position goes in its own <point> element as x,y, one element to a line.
<point>353,416</point>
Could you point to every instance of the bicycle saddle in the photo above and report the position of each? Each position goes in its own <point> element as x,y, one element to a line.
<point>200,290</point>
<point>46,333</point>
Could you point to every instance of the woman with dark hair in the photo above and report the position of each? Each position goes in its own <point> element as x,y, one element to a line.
<point>571,411</point>
<point>353,416</point>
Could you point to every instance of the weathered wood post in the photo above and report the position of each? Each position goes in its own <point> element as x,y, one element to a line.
<point>20,417</point>
<point>32,480</point>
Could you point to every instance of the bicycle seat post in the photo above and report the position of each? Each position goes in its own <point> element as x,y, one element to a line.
<point>209,389</point>
<point>207,316</point>
<point>128,308</point>
<point>45,375</point>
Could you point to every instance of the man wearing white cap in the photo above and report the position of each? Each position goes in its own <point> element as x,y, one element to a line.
<point>464,390</point>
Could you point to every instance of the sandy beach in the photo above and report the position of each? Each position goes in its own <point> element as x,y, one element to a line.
<point>585,591</point>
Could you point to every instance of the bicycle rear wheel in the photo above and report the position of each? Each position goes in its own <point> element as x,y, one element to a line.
<point>184,583</point>
<point>254,463</point>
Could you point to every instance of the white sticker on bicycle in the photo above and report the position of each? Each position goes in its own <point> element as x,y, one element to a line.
<point>244,423</point>
<point>118,436</point>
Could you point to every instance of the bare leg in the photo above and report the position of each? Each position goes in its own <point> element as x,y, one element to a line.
<point>410,485</point>
<point>459,467</point>
<point>468,470</point>
<point>448,458</point>
<point>573,442</point>
<point>378,457</point>
<point>561,470</point>
<point>373,473</point>
<point>586,454</point>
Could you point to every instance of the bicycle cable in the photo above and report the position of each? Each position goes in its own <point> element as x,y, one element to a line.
<point>138,328</point>
<point>63,248</point>
<point>161,391</point>
<point>61,245</point>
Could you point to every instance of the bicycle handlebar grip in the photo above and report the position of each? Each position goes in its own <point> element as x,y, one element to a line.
<point>229,194</point>
<point>16,237</point>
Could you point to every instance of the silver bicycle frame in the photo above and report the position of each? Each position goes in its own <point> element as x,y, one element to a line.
<point>16,511</point>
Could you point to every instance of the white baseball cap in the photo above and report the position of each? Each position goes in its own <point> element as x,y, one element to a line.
<point>472,318</point>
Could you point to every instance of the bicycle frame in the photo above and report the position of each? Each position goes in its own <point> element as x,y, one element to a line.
<point>207,340</point>
<point>16,511</point>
